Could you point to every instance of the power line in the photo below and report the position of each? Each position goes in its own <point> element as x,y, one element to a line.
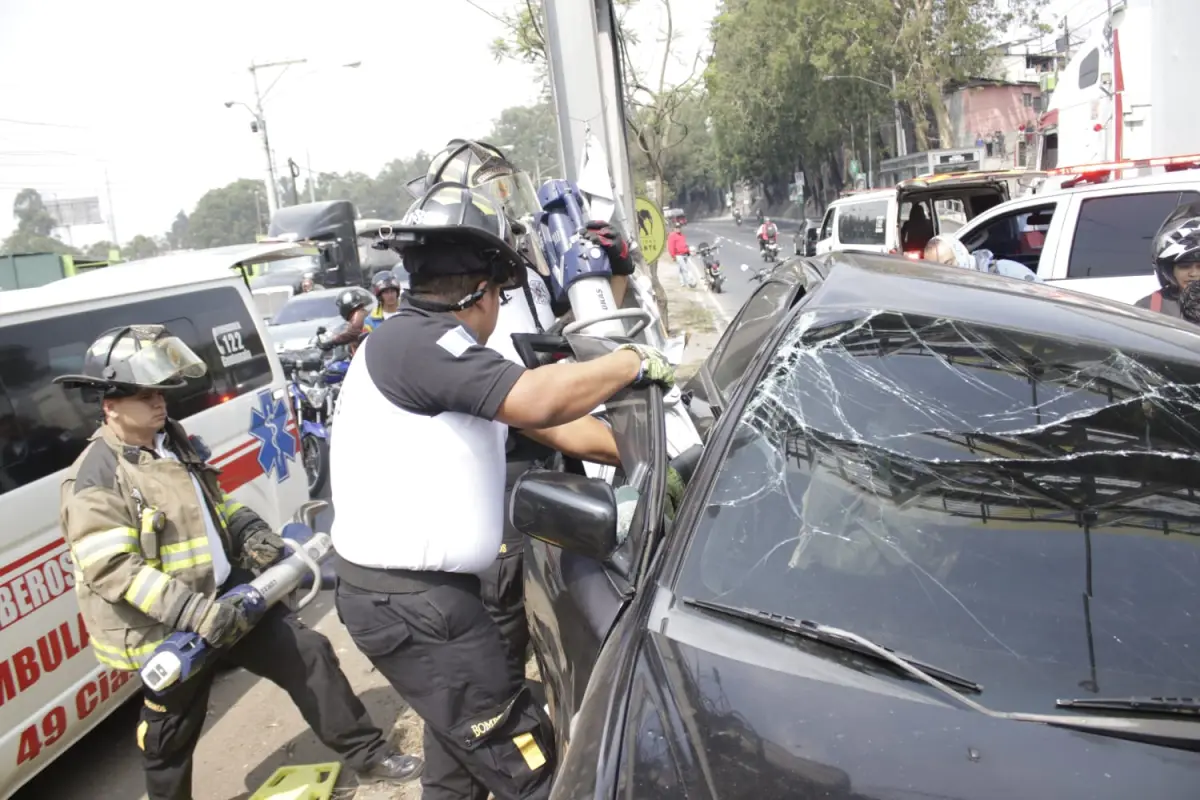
<point>42,124</point>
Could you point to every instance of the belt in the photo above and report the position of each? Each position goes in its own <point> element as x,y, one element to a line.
<point>400,581</point>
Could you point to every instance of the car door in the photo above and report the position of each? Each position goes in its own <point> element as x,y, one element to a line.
<point>1028,234</point>
<point>825,241</point>
<point>573,601</point>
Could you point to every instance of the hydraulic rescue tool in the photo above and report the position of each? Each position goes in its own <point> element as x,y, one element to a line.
<point>184,654</point>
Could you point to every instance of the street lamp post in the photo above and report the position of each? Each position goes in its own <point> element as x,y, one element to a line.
<point>901,141</point>
<point>261,122</point>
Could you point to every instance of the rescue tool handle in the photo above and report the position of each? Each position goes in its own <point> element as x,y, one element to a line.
<point>313,567</point>
<point>640,314</point>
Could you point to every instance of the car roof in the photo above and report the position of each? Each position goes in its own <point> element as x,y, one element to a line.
<point>1167,180</point>
<point>870,283</point>
<point>188,268</point>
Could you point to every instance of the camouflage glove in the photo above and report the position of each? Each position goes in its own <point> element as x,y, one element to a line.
<point>675,490</point>
<point>263,547</point>
<point>218,622</point>
<point>655,367</point>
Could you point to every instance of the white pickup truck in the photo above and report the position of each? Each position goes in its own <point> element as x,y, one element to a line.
<point>1093,238</point>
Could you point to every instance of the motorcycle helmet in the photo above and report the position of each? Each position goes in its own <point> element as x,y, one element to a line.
<point>352,299</point>
<point>127,360</point>
<point>1177,242</point>
<point>453,214</point>
<point>383,281</point>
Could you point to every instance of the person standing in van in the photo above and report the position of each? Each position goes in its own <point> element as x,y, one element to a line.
<point>1176,253</point>
<point>156,542</point>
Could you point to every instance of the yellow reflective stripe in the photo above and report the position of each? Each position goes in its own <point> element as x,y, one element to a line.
<point>127,659</point>
<point>146,588</point>
<point>176,566</point>
<point>535,759</point>
<point>101,544</point>
<point>179,547</point>
<point>142,729</point>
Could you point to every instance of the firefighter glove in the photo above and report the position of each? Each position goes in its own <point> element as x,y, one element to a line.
<point>218,622</point>
<point>654,369</point>
<point>675,490</point>
<point>263,547</point>
<point>603,235</point>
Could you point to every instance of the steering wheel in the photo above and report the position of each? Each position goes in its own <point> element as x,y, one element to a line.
<point>640,314</point>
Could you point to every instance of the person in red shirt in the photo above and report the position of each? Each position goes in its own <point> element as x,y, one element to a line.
<point>677,248</point>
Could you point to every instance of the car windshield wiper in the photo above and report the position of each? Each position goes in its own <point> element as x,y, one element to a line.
<point>1168,706</point>
<point>835,638</point>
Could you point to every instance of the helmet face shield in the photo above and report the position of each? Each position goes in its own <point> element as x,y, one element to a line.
<point>150,363</point>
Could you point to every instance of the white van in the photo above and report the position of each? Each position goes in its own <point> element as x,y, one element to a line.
<point>1094,238</point>
<point>885,220</point>
<point>52,689</point>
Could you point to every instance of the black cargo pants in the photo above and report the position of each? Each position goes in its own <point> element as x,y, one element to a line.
<point>442,652</point>
<point>294,657</point>
<point>502,585</point>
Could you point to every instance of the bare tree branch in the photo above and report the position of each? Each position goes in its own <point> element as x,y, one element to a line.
<point>507,23</point>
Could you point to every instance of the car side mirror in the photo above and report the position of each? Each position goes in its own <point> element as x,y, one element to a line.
<point>574,512</point>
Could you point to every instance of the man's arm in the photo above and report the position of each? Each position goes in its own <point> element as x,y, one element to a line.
<point>587,438</point>
<point>554,395</point>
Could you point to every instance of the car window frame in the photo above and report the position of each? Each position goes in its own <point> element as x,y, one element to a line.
<point>716,397</point>
<point>1046,256</point>
<point>1074,216</point>
<point>887,216</point>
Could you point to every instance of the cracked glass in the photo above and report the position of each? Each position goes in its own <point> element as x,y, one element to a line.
<point>1016,508</point>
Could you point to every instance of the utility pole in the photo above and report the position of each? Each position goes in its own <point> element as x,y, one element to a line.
<point>312,183</point>
<point>112,215</point>
<point>901,143</point>
<point>272,189</point>
<point>870,153</point>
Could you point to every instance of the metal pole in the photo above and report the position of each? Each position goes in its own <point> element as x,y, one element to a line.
<point>901,144</point>
<point>312,184</point>
<point>272,189</point>
<point>870,155</point>
<point>112,215</point>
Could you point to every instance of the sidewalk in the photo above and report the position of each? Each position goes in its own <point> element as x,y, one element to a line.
<point>689,314</point>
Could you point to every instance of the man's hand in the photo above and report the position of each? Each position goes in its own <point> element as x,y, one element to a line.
<point>603,235</point>
<point>655,367</point>
<point>263,547</point>
<point>675,490</point>
<point>217,622</point>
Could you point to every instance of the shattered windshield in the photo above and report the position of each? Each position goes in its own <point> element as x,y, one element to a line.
<point>1018,509</point>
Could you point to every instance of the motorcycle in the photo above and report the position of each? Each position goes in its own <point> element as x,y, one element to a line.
<point>314,383</point>
<point>737,218</point>
<point>770,251</point>
<point>712,266</point>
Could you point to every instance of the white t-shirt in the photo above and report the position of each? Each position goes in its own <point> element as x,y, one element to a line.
<point>220,561</point>
<point>517,317</point>
<point>433,499</point>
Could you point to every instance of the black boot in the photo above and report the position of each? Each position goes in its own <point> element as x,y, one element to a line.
<point>395,768</point>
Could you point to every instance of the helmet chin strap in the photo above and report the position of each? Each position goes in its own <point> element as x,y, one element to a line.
<point>440,307</point>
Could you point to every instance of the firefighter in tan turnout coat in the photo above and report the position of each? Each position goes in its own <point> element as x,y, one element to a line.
<point>156,542</point>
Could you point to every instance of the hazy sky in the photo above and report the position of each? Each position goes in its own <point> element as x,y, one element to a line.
<point>137,89</point>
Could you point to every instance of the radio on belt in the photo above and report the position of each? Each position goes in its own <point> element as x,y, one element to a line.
<point>182,655</point>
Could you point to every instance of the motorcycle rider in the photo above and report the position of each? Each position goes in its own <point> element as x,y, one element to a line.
<point>386,289</point>
<point>411,602</point>
<point>307,283</point>
<point>677,248</point>
<point>758,215</point>
<point>156,543</point>
<point>1176,254</point>
<point>767,232</point>
<point>352,306</point>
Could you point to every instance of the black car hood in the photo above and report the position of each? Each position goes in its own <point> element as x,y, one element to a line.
<point>771,720</point>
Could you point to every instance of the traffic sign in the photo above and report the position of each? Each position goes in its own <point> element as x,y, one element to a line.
<point>651,229</point>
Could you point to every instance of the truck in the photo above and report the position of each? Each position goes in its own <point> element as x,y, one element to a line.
<point>27,270</point>
<point>330,225</point>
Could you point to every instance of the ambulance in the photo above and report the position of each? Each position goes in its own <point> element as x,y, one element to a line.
<point>52,689</point>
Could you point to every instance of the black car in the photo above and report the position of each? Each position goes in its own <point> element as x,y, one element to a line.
<point>941,542</point>
<point>804,240</point>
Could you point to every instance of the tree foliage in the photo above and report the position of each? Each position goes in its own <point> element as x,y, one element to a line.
<point>232,214</point>
<point>35,228</point>
<point>529,136</point>
<point>775,107</point>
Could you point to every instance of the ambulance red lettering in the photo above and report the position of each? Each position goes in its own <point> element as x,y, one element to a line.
<point>98,691</point>
<point>26,592</point>
<point>27,665</point>
<point>53,725</point>
<point>52,728</point>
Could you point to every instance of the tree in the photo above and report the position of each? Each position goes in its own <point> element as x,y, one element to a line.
<point>35,225</point>
<point>177,235</point>
<point>99,251</point>
<point>529,136</point>
<point>143,247</point>
<point>229,215</point>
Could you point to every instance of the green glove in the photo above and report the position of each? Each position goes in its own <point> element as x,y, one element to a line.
<point>263,547</point>
<point>655,367</point>
<point>675,489</point>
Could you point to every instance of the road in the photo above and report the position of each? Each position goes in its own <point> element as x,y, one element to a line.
<point>738,246</point>
<point>251,727</point>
